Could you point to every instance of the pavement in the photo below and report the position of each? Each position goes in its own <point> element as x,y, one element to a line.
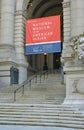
<point>11,127</point>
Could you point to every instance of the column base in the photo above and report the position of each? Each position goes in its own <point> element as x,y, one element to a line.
<point>5,75</point>
<point>74,102</point>
<point>22,73</point>
<point>74,88</point>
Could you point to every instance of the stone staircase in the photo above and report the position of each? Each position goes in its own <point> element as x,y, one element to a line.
<point>41,115</point>
<point>42,105</point>
<point>49,91</point>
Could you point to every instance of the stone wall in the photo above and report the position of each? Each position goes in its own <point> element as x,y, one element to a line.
<point>73,66</point>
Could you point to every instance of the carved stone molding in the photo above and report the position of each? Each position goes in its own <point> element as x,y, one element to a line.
<point>66,4</point>
<point>75,83</point>
<point>78,86</point>
<point>20,12</point>
<point>77,44</point>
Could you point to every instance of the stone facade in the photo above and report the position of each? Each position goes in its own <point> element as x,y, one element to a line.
<point>13,14</point>
<point>74,66</point>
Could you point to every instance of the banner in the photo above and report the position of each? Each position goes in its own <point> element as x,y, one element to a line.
<point>43,35</point>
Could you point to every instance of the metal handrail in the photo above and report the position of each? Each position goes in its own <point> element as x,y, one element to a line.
<point>43,73</point>
<point>23,85</point>
<point>29,81</point>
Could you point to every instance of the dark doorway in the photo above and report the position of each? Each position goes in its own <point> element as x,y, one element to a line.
<point>56,61</point>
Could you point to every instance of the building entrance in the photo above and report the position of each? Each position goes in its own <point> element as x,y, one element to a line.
<point>56,61</point>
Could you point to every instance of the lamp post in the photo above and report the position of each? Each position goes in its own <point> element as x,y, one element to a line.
<point>45,67</point>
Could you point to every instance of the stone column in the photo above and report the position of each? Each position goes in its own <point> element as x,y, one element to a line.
<point>7,51</point>
<point>74,67</point>
<point>67,29</point>
<point>7,22</point>
<point>67,50</point>
<point>20,19</point>
<point>77,17</point>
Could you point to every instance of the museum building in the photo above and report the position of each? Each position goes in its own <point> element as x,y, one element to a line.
<point>13,59</point>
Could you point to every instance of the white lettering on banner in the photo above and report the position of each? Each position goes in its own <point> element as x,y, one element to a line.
<point>37,29</point>
<point>41,36</point>
<point>40,31</point>
<point>41,24</point>
<point>40,28</point>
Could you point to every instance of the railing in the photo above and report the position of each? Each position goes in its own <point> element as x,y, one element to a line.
<point>29,81</point>
<point>43,73</point>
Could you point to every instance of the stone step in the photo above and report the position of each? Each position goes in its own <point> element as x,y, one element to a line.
<point>44,95</point>
<point>16,105</point>
<point>15,127</point>
<point>41,100</point>
<point>41,115</point>
<point>45,114</point>
<point>48,98</point>
<point>56,102</point>
<point>38,122</point>
<point>40,119</point>
<point>49,87</point>
<point>38,108</point>
<point>38,111</point>
<point>56,117</point>
<point>25,100</point>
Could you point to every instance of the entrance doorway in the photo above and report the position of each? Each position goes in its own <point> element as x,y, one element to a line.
<point>56,61</point>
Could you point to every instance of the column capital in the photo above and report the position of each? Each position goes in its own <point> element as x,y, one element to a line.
<point>20,12</point>
<point>66,4</point>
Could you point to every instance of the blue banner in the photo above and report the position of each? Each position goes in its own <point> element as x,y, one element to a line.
<point>43,48</point>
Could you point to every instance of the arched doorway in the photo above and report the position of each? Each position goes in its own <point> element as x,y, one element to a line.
<point>39,9</point>
<point>26,9</point>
